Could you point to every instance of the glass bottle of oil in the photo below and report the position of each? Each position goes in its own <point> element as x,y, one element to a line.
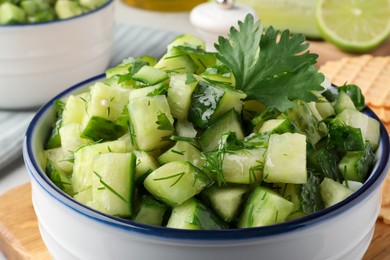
<point>165,5</point>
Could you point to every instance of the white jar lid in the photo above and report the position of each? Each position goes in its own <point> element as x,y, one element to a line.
<point>212,20</point>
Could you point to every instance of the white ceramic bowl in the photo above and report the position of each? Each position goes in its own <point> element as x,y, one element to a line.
<point>37,61</point>
<point>73,231</point>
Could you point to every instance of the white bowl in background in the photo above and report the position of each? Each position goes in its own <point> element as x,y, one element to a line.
<point>71,230</point>
<point>37,61</point>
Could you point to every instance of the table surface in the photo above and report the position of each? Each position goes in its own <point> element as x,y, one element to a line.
<point>16,174</point>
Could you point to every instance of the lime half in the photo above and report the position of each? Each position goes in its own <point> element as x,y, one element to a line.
<point>354,25</point>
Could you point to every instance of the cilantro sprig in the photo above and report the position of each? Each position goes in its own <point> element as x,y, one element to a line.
<point>271,67</point>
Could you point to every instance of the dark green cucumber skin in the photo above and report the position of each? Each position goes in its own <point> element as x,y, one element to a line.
<point>214,131</point>
<point>99,128</point>
<point>355,94</point>
<point>204,103</point>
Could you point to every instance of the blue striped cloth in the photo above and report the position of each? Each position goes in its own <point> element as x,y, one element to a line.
<point>129,41</point>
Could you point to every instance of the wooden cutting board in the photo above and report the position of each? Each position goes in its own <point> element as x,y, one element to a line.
<point>20,238</point>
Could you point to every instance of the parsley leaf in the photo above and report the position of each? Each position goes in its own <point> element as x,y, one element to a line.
<point>164,123</point>
<point>270,67</point>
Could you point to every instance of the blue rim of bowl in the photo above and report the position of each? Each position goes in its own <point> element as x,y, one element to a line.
<point>22,25</point>
<point>373,182</point>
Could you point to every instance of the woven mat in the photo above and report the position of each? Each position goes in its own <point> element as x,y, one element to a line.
<point>372,75</point>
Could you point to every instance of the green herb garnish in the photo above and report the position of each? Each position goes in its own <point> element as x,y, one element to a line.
<point>272,70</point>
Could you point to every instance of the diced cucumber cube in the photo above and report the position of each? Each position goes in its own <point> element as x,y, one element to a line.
<point>192,214</point>
<point>182,151</point>
<point>369,126</point>
<point>264,207</point>
<point>107,102</point>
<point>70,138</point>
<point>175,61</point>
<point>11,13</point>
<point>113,183</point>
<point>243,166</point>
<point>229,122</point>
<point>121,69</point>
<point>179,94</point>
<point>277,126</point>
<point>57,156</point>
<point>286,159</point>
<point>91,4</point>
<point>332,192</point>
<point>105,109</point>
<point>185,128</point>
<point>67,8</point>
<point>176,182</point>
<point>150,75</point>
<point>324,107</point>
<point>59,178</point>
<point>343,102</point>
<point>226,200</point>
<point>145,165</point>
<point>187,39</point>
<point>355,165</point>
<point>151,121</point>
<point>355,94</point>
<point>210,101</point>
<point>83,162</point>
<point>352,185</point>
<point>75,109</point>
<point>345,138</point>
<point>84,197</point>
<point>306,117</point>
<point>150,211</point>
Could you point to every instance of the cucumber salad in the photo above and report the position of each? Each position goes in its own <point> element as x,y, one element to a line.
<point>38,11</point>
<point>247,136</point>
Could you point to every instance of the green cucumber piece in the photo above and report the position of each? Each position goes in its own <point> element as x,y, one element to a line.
<point>355,165</point>
<point>192,214</point>
<point>175,61</point>
<point>210,101</point>
<point>75,109</point>
<point>306,117</point>
<point>182,151</point>
<point>84,197</point>
<point>181,87</point>
<point>324,107</point>
<point>58,158</point>
<point>243,166</point>
<point>11,13</point>
<point>59,178</point>
<point>369,127</point>
<point>343,102</point>
<point>229,122</point>
<point>225,200</point>
<point>278,126</point>
<point>264,207</point>
<point>150,75</point>
<point>332,192</point>
<point>146,163</point>
<point>67,8</point>
<point>113,183</point>
<point>151,121</point>
<point>54,140</point>
<point>343,137</point>
<point>150,211</point>
<point>71,139</point>
<point>83,161</point>
<point>286,159</point>
<point>175,182</point>
<point>106,117</point>
<point>355,94</point>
